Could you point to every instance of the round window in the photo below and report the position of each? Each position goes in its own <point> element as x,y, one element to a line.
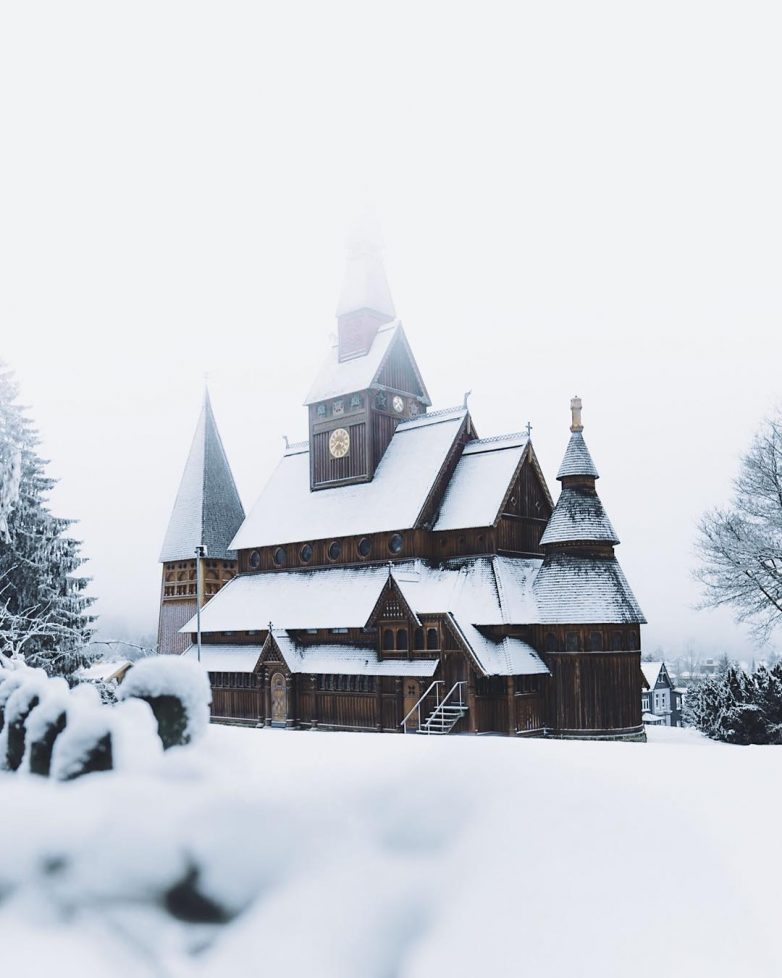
<point>364,547</point>
<point>279,556</point>
<point>305,553</point>
<point>255,560</point>
<point>335,549</point>
<point>395,543</point>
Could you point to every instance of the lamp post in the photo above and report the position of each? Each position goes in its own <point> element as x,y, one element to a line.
<point>200,553</point>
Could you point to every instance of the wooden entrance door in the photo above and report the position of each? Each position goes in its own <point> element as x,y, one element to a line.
<point>412,695</point>
<point>279,698</point>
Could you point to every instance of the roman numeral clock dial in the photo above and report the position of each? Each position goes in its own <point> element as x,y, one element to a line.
<point>339,443</point>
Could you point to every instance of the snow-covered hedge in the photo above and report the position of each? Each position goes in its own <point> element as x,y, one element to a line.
<point>47,729</point>
<point>178,692</point>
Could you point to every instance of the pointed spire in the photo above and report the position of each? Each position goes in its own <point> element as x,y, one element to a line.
<point>365,302</point>
<point>207,511</point>
<point>579,516</point>
<point>577,460</point>
<point>365,285</point>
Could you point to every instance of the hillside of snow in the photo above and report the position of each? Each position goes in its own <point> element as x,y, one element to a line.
<point>380,856</point>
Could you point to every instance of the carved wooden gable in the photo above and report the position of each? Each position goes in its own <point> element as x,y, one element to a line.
<point>392,606</point>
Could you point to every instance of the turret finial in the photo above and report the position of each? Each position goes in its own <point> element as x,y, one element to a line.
<point>575,410</point>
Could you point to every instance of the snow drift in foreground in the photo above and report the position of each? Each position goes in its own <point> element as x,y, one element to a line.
<point>377,856</point>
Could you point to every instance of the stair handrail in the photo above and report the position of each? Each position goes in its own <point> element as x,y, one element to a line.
<point>444,702</point>
<point>434,683</point>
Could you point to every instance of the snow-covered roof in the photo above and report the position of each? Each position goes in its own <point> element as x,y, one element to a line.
<point>585,590</point>
<point>579,516</point>
<point>207,509</point>
<point>651,671</point>
<point>104,671</point>
<point>478,591</point>
<point>226,658</point>
<point>480,482</point>
<point>577,460</point>
<point>288,512</point>
<point>335,378</point>
<point>346,660</point>
<point>651,718</point>
<point>508,657</point>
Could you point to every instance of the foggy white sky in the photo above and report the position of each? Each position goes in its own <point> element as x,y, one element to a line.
<point>576,198</point>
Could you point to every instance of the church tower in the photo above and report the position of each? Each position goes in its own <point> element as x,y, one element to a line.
<point>369,382</point>
<point>207,513</point>
<point>591,623</point>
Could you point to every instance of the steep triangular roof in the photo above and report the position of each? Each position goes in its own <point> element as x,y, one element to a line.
<point>339,377</point>
<point>208,510</point>
<point>579,517</point>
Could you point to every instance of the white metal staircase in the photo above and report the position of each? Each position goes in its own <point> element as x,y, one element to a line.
<point>447,712</point>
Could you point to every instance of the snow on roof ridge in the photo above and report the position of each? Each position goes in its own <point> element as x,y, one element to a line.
<point>495,442</point>
<point>296,448</point>
<point>432,417</point>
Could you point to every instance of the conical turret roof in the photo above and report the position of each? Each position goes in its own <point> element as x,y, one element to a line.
<point>208,510</point>
<point>577,460</point>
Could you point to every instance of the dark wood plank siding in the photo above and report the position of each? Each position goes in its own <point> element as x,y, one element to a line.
<point>595,692</point>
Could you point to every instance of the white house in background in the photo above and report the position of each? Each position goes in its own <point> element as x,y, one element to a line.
<point>661,701</point>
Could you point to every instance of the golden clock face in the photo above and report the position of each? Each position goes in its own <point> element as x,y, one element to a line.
<point>339,443</point>
<point>398,404</point>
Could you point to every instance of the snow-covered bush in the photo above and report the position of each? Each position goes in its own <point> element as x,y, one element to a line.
<point>12,679</point>
<point>101,738</point>
<point>178,692</point>
<point>21,703</point>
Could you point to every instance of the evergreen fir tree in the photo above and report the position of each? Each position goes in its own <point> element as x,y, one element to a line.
<point>43,608</point>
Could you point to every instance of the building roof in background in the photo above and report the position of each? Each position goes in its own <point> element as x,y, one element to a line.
<point>287,511</point>
<point>651,671</point>
<point>481,481</point>
<point>207,510</point>
<point>577,460</point>
<point>579,516</point>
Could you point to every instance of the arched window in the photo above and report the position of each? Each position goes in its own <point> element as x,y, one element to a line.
<point>432,638</point>
<point>551,642</point>
<point>571,641</point>
<point>616,642</point>
<point>388,640</point>
<point>401,640</point>
<point>595,641</point>
<point>418,638</point>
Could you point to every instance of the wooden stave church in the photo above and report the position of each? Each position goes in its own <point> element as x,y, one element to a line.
<point>399,573</point>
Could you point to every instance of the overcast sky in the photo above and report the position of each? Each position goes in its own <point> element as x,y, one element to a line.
<point>575,198</point>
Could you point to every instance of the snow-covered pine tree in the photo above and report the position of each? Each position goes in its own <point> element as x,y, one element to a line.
<point>43,609</point>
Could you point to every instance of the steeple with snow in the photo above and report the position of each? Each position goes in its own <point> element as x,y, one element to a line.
<point>578,519</point>
<point>365,302</point>
<point>207,512</point>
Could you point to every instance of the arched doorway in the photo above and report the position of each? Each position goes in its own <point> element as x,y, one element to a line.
<point>279,698</point>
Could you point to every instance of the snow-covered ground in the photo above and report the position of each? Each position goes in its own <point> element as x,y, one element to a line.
<point>380,856</point>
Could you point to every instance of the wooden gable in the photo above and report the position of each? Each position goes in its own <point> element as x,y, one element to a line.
<point>399,371</point>
<point>392,606</point>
